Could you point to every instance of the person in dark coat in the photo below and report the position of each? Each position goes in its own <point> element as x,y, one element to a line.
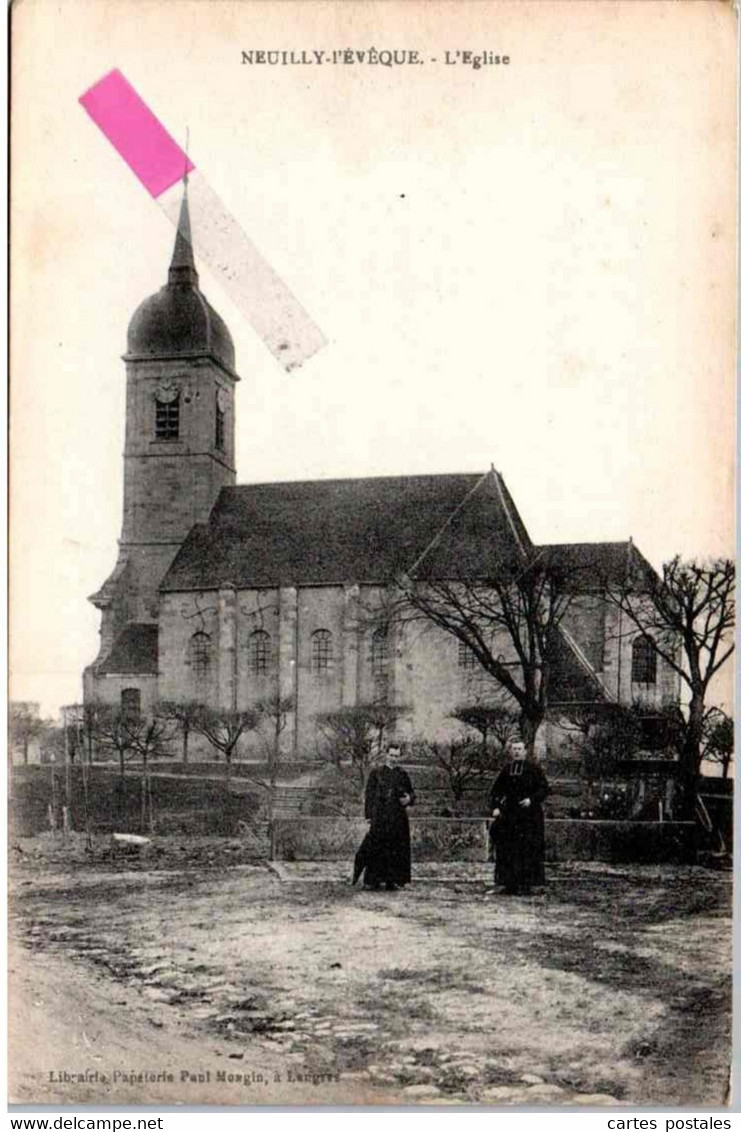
<point>518,828</point>
<point>384,857</point>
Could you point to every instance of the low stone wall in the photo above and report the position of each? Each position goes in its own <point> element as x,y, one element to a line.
<point>330,839</point>
<point>647,842</point>
<point>317,839</point>
<point>466,839</point>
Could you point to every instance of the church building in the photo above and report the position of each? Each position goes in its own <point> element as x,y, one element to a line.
<point>231,594</point>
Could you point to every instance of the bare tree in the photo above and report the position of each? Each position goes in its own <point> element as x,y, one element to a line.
<point>464,763</point>
<point>75,747</point>
<point>582,719</point>
<point>113,732</point>
<point>615,738</point>
<point>517,609</point>
<point>223,729</point>
<point>150,738</point>
<point>52,745</point>
<point>130,735</point>
<point>356,736</point>
<point>273,714</point>
<point>626,728</point>
<point>718,739</point>
<point>24,725</point>
<point>81,726</point>
<point>184,713</point>
<point>688,613</point>
<point>489,720</point>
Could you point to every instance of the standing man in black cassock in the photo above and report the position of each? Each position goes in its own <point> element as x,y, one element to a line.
<point>385,856</point>
<point>518,827</point>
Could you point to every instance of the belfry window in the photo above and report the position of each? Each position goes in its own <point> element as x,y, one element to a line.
<point>219,436</point>
<point>167,419</point>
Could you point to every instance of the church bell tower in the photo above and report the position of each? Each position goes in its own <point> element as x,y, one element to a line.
<point>179,447</point>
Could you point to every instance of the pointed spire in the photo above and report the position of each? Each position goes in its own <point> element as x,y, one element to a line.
<point>182,265</point>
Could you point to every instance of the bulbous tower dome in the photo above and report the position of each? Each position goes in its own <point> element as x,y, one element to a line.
<point>178,321</point>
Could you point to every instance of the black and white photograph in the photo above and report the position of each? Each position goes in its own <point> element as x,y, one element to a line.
<point>372,575</point>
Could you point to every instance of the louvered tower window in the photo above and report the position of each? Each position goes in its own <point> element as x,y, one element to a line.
<point>167,419</point>
<point>219,437</point>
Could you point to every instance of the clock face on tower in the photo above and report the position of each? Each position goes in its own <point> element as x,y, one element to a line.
<point>222,399</point>
<point>166,392</point>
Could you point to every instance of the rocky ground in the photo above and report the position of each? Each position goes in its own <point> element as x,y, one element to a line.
<point>245,983</point>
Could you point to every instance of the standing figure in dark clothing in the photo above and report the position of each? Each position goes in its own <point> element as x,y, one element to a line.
<point>518,829</point>
<point>385,856</point>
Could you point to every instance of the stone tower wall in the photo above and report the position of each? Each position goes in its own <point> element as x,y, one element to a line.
<point>169,485</point>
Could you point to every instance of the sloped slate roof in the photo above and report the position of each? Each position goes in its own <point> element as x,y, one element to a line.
<point>573,680</point>
<point>593,565</point>
<point>107,592</point>
<point>359,530</point>
<point>134,652</point>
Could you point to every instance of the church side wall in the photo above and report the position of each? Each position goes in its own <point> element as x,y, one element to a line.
<point>427,671</point>
<point>669,683</point>
<point>181,616</point>
<point>108,689</point>
<point>320,610</point>
<point>619,638</point>
<point>258,635</point>
<point>259,661</point>
<point>372,686</point>
<point>433,679</point>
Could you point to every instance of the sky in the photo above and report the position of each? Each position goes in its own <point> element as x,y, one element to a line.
<point>528,265</point>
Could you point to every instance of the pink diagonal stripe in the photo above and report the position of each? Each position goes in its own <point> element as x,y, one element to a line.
<point>132,129</point>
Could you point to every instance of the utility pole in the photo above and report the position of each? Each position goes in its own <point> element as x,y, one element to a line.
<point>86,771</point>
<point>67,778</point>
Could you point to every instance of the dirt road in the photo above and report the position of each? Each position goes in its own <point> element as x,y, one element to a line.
<point>239,987</point>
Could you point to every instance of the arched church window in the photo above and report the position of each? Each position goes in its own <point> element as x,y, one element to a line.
<point>379,659</point>
<point>199,654</point>
<point>259,652</point>
<point>466,656</point>
<point>322,656</point>
<point>380,652</point>
<point>643,661</point>
<point>167,416</point>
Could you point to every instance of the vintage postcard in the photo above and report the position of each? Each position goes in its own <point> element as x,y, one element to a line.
<point>372,552</point>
